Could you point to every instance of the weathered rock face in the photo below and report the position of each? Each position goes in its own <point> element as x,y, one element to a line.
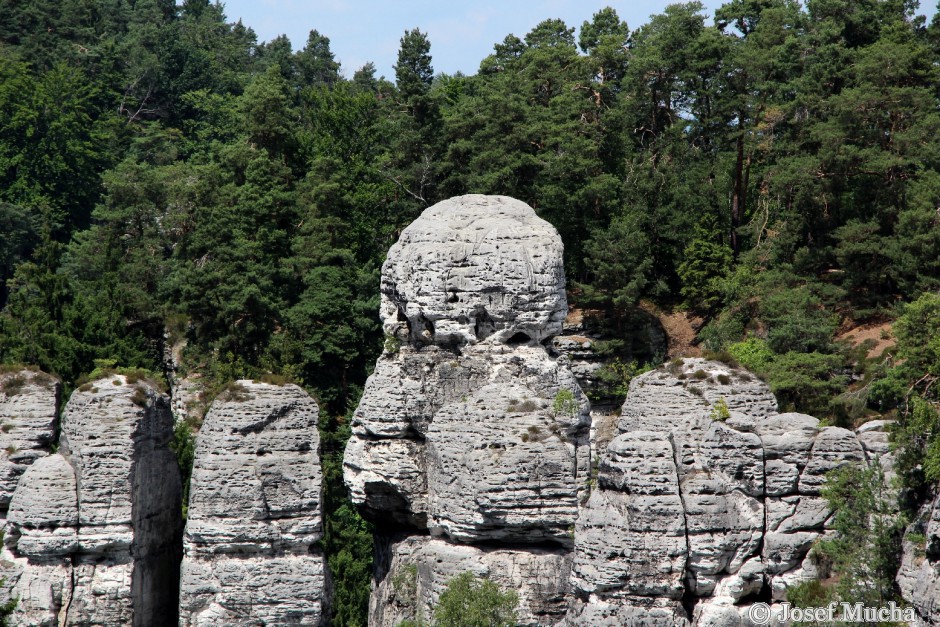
<point>504,466</point>
<point>919,575</point>
<point>394,439</point>
<point>93,531</point>
<point>475,268</point>
<point>471,450</point>
<point>28,405</point>
<point>42,536</point>
<point>416,569</point>
<point>708,498</point>
<point>630,540</point>
<point>255,513</point>
<point>469,429</point>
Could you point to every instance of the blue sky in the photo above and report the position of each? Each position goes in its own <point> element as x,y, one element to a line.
<point>461,33</point>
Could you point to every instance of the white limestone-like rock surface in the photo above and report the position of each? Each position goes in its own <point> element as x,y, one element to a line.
<point>255,512</point>
<point>744,487</point>
<point>505,466</point>
<point>630,540</point>
<point>43,515</point>
<point>475,268</point>
<point>471,450</point>
<point>409,584</point>
<point>28,408</point>
<point>41,538</point>
<point>470,434</point>
<point>456,431</point>
<point>93,530</point>
<point>919,575</point>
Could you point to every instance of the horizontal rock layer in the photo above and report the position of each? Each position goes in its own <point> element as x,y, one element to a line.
<point>93,530</point>
<point>707,496</point>
<point>255,512</point>
<point>28,411</point>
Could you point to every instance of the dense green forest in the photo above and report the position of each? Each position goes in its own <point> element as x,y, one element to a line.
<point>775,171</point>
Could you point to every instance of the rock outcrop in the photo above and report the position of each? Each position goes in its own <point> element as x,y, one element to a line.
<point>28,406</point>
<point>919,575</point>
<point>469,430</point>
<point>472,450</point>
<point>475,268</point>
<point>93,530</point>
<point>707,499</point>
<point>255,512</point>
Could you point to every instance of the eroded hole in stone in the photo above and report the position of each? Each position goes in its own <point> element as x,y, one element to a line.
<point>484,325</point>
<point>518,339</point>
<point>453,298</point>
<point>422,329</point>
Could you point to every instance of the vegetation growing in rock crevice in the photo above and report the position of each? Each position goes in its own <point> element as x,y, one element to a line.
<point>470,601</point>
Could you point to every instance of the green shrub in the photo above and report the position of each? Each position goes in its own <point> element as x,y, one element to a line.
<point>565,403</point>
<point>139,397</point>
<point>469,601</point>
<point>107,368</point>
<point>797,321</point>
<point>916,442</point>
<point>405,585</point>
<point>184,445</point>
<point>806,381</point>
<point>235,392</point>
<point>723,330</point>
<point>392,344</point>
<point>702,272</point>
<point>722,355</point>
<point>13,385</point>
<point>753,353</point>
<point>6,610</point>
<point>720,411</point>
<point>279,380</point>
<point>810,593</point>
<point>615,377</point>
<point>864,551</point>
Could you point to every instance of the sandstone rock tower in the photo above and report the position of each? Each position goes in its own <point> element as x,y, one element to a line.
<point>707,500</point>
<point>93,530</point>
<point>255,513</point>
<point>471,451</point>
<point>28,407</point>
<point>470,445</point>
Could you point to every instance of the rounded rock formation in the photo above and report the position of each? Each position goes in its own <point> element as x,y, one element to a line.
<point>475,268</point>
<point>471,441</point>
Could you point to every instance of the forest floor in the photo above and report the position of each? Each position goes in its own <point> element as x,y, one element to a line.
<point>878,336</point>
<point>680,329</point>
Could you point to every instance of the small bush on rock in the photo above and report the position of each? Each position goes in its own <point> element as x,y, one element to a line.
<point>565,403</point>
<point>469,601</point>
<point>720,411</point>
